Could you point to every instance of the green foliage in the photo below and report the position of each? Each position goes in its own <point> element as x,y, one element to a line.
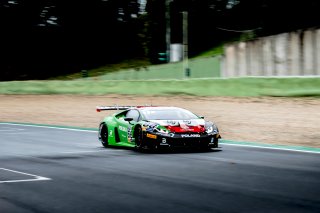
<point>246,36</point>
<point>208,67</point>
<point>110,68</point>
<point>70,36</point>
<point>242,87</point>
<point>215,51</point>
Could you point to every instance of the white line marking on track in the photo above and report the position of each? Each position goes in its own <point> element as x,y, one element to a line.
<point>16,133</point>
<point>36,177</point>
<point>10,129</point>
<point>44,154</point>
<point>52,127</point>
<point>276,148</point>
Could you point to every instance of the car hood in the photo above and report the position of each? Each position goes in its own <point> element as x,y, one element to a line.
<point>194,125</point>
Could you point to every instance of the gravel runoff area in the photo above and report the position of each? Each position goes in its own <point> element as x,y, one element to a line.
<point>282,121</point>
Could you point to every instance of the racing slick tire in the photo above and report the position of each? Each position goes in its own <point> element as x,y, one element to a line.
<point>138,137</point>
<point>208,147</point>
<point>103,134</point>
<point>216,143</point>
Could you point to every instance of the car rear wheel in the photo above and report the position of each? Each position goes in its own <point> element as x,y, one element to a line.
<point>103,135</point>
<point>138,136</point>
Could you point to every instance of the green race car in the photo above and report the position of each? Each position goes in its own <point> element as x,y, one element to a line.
<point>154,127</point>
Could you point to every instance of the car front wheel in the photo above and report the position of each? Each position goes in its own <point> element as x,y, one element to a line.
<point>103,135</point>
<point>138,135</point>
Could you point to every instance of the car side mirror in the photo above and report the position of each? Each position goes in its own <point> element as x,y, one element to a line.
<point>128,119</point>
<point>202,117</point>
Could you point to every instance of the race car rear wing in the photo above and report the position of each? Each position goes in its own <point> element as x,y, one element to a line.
<point>101,108</point>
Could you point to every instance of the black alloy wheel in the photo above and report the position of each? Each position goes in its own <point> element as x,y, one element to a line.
<point>138,138</point>
<point>103,135</point>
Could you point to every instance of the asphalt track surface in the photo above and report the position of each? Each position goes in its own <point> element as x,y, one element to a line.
<point>58,170</point>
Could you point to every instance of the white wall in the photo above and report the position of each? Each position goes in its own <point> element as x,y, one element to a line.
<point>287,54</point>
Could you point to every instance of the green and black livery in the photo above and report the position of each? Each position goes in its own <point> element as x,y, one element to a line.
<point>156,127</point>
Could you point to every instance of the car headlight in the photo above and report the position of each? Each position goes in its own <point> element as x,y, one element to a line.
<point>162,130</point>
<point>211,128</point>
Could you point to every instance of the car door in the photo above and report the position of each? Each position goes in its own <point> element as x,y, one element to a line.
<point>125,127</point>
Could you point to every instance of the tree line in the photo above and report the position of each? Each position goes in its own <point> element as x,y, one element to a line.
<point>45,38</point>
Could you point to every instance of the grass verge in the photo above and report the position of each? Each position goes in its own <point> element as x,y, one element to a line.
<point>282,87</point>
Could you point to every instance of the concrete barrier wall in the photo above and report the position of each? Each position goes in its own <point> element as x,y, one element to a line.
<point>317,55</point>
<point>288,54</point>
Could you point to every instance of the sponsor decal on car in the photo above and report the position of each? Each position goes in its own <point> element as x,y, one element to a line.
<point>151,136</point>
<point>122,128</point>
<point>190,135</point>
<point>188,122</point>
<point>172,123</point>
<point>129,134</point>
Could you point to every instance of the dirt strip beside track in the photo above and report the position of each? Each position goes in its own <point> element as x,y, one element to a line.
<point>286,121</point>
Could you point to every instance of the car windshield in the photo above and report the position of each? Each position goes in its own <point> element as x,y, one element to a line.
<point>168,114</point>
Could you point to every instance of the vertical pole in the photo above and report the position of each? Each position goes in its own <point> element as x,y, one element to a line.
<point>186,69</point>
<point>168,29</point>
